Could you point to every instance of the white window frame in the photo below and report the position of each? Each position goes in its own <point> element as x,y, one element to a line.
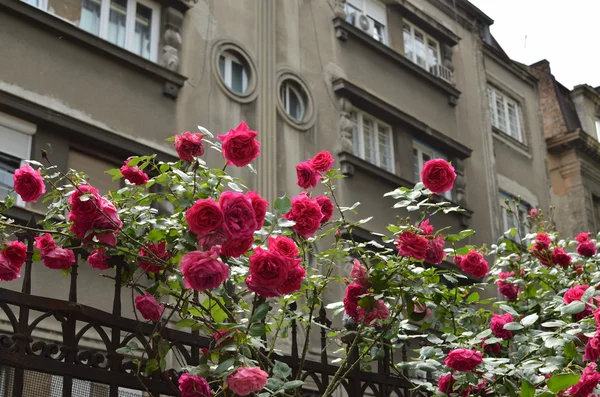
<point>359,129</point>
<point>523,213</point>
<point>493,94</point>
<point>227,77</point>
<point>598,129</point>
<point>286,87</point>
<point>376,12</point>
<point>129,22</point>
<point>413,56</point>
<point>421,149</point>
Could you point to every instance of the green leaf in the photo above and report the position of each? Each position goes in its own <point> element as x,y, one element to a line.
<point>509,309</point>
<point>274,384</point>
<point>513,326</point>
<point>527,389</point>
<point>188,322</point>
<point>529,320</point>
<point>573,308</point>
<point>224,365</point>
<point>561,382</point>
<point>123,350</point>
<point>151,367</point>
<point>294,384</point>
<point>281,370</point>
<point>163,347</point>
<point>588,294</point>
<point>434,339</point>
<point>282,205</point>
<point>474,297</point>
<point>570,351</point>
<point>452,238</point>
<point>156,235</point>
<point>553,324</point>
<point>257,329</point>
<point>260,312</point>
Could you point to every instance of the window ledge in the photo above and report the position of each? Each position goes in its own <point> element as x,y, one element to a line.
<point>511,142</point>
<point>173,81</point>
<point>343,30</point>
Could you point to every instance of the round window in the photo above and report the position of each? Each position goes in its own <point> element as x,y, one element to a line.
<point>293,99</point>
<point>295,103</point>
<point>234,72</point>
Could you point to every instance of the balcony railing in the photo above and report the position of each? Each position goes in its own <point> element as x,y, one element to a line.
<point>443,73</point>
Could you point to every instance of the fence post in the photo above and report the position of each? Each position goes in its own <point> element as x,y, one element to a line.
<point>114,357</point>
<point>69,337</point>
<point>323,320</point>
<point>295,359</point>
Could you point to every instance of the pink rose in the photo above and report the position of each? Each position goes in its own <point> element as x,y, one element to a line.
<point>509,290</point>
<point>435,250</point>
<point>322,162</point>
<point>193,386</point>
<point>220,338</point>
<point>426,228</point>
<point>134,174</point>
<point>97,259</point>
<point>420,307</point>
<point>28,183</point>
<point>59,258</point>
<point>378,311</point>
<point>597,317</point>
<point>326,208</point>
<point>204,216</point>
<point>217,237</point>
<point>240,146</point>
<point>533,212</point>
<point>592,349</point>
<point>8,272</point>
<point>587,248</point>
<point>587,383</point>
<point>463,360</point>
<point>411,245</point>
<point>94,213</point>
<point>246,380</point>
<point>155,252</point>
<point>542,240</point>
<point>574,294</point>
<point>45,243</point>
<point>359,273</point>
<point>259,205</point>
<point>16,253</point>
<point>268,269</point>
<point>446,385</point>
<point>560,257</point>
<point>284,246</point>
<point>239,218</point>
<point>438,176</point>
<point>85,209</point>
<point>308,177</point>
<point>237,247</point>
<point>262,290</point>
<point>306,212</point>
<point>202,270</point>
<point>474,264</point>
<point>149,308</point>
<point>497,325</point>
<point>293,282</point>
<point>351,299</point>
<point>582,237</point>
<point>189,145</point>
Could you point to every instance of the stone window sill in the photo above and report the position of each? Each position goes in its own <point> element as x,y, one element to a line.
<point>511,143</point>
<point>173,81</point>
<point>344,31</point>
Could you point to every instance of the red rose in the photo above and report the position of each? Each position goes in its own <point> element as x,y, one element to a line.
<point>505,275</point>
<point>59,258</point>
<point>492,348</point>
<point>560,257</point>
<point>220,339</point>
<point>587,383</point>
<point>204,216</point>
<point>438,176</point>
<point>8,272</point>
<point>592,349</point>
<point>28,183</point>
<point>217,237</point>
<point>411,245</point>
<point>326,208</point>
<point>239,218</point>
<point>189,145</point>
<point>294,279</point>
<point>45,243</point>
<point>16,253</point>
<point>193,386</point>
<point>426,228</point>
<point>153,251</point>
<point>149,308</point>
<point>582,237</point>
<point>446,385</point>
<point>97,259</point>
<point>463,360</point>
<point>306,212</point>
<point>497,325</point>
<point>322,162</point>
<point>284,246</point>
<point>351,299</point>
<point>474,264</point>
<point>587,248</point>
<point>236,247</point>
<point>87,208</point>
<point>378,311</point>
<point>268,269</point>
<point>246,380</point>
<point>93,213</point>
<point>262,290</point>
<point>240,146</point>
<point>203,270</point>
<point>308,177</point>
<point>360,274</point>
<point>509,290</point>
<point>597,317</point>
<point>542,240</point>
<point>435,250</point>
<point>574,294</point>
<point>259,205</point>
<point>134,174</point>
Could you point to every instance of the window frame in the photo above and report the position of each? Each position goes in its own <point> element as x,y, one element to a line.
<point>359,128</point>
<point>362,6</point>
<point>227,75</point>
<point>493,94</point>
<point>597,124</point>
<point>284,94</point>
<point>421,149</point>
<point>523,213</point>
<point>427,38</point>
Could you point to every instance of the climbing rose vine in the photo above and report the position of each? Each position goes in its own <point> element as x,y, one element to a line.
<point>202,252</point>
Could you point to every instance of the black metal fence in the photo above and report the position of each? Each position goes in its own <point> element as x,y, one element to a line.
<point>32,367</point>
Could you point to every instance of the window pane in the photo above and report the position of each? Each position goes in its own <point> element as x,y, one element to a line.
<point>141,36</point>
<point>378,31</point>
<point>426,157</point>
<point>351,13</point>
<point>355,137</point>
<point>296,107</point>
<point>432,53</point>
<point>116,22</point>
<point>237,77</point>
<point>420,49</point>
<point>369,140</point>
<point>8,165</point>
<point>90,16</point>
<point>408,43</point>
<point>385,148</point>
<point>416,167</point>
<point>512,121</point>
<point>500,113</point>
<point>69,10</point>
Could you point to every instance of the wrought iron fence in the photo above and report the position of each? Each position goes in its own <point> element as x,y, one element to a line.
<point>32,367</point>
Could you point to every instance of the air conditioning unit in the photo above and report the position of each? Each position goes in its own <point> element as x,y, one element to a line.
<point>362,22</point>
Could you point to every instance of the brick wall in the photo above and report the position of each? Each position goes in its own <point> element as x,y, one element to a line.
<point>553,120</point>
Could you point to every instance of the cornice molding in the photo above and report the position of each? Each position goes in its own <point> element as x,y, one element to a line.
<point>577,140</point>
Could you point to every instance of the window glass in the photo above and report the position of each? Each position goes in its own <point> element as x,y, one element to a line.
<point>351,13</point>
<point>432,53</point>
<point>116,22</point>
<point>512,120</point>
<point>500,112</point>
<point>8,165</point>
<point>504,114</point>
<point>234,72</point>
<point>69,10</point>
<point>293,100</point>
<point>372,141</point>
<point>141,37</point>
<point>598,129</point>
<point>420,49</point>
<point>237,77</point>
<point>408,42</point>
<point>90,16</point>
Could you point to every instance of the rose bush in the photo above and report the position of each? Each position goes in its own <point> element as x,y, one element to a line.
<point>221,260</point>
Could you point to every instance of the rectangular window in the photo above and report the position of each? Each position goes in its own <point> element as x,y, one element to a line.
<point>505,114</point>
<point>376,17</point>
<point>129,24</point>
<point>510,219</point>
<point>420,48</point>
<point>422,153</point>
<point>372,140</point>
